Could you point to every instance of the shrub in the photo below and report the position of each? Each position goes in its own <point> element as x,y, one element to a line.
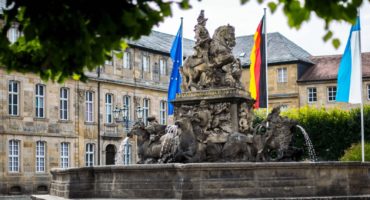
<point>354,153</point>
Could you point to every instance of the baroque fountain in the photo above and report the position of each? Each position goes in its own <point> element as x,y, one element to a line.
<point>213,150</point>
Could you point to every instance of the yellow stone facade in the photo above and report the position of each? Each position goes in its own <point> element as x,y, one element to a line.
<point>27,129</point>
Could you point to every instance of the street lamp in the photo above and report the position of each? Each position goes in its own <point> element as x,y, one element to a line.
<point>139,112</point>
<point>122,112</point>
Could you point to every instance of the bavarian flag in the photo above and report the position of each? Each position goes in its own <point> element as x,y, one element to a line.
<point>257,84</point>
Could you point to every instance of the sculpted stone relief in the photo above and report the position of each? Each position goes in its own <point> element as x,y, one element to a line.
<point>214,116</point>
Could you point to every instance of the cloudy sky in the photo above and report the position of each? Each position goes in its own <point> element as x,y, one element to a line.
<point>246,18</point>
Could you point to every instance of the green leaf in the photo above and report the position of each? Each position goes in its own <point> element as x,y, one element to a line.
<point>327,36</point>
<point>243,1</point>
<point>336,43</point>
<point>272,6</point>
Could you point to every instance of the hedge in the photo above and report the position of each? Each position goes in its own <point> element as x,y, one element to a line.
<point>354,153</point>
<point>332,131</point>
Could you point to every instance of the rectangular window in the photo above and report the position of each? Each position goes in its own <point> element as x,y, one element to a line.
<point>13,98</point>
<point>13,156</point>
<point>163,112</point>
<point>312,95</point>
<point>282,75</point>
<point>40,101</point>
<point>163,67</point>
<point>127,103</point>
<point>64,155</point>
<point>332,92</point>
<point>146,63</point>
<point>146,110</point>
<point>109,61</point>
<point>126,60</point>
<point>108,108</point>
<point>89,157</point>
<point>40,156</point>
<point>63,104</point>
<point>368,92</point>
<point>89,102</point>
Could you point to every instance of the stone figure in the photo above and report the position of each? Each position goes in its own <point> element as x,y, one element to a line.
<point>212,65</point>
<point>214,115</point>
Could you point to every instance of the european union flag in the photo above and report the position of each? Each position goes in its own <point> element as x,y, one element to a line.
<point>175,81</point>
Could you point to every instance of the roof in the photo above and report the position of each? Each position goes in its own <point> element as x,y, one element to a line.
<point>279,49</point>
<point>162,42</point>
<point>326,68</point>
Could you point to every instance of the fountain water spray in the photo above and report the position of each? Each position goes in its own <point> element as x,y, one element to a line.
<point>311,150</point>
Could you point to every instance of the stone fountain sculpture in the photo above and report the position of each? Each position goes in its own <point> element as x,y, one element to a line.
<point>214,114</point>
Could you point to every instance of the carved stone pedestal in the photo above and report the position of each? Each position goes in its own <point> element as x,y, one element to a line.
<point>217,111</point>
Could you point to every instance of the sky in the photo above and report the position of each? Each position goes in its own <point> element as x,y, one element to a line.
<point>245,19</point>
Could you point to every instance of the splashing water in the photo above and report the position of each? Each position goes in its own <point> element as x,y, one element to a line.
<point>311,150</point>
<point>169,140</point>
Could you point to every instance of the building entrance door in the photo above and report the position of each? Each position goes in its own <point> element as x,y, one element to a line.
<point>110,153</point>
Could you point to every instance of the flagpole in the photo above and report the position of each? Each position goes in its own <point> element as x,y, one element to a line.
<point>182,42</point>
<point>362,103</point>
<point>266,69</point>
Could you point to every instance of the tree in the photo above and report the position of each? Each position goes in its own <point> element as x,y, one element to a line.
<point>62,38</point>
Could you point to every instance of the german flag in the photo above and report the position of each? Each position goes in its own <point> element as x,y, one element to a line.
<point>257,85</point>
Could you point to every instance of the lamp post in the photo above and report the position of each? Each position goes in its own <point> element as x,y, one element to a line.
<point>122,112</point>
<point>139,112</point>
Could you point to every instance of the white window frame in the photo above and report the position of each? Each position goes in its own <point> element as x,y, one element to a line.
<point>89,106</point>
<point>127,102</point>
<point>111,61</point>
<point>368,91</point>
<point>40,101</point>
<point>89,155</point>
<point>331,93</point>
<point>145,59</point>
<point>64,155</point>
<point>163,112</point>
<point>162,67</point>
<point>63,103</point>
<point>126,60</point>
<point>109,108</point>
<point>312,94</point>
<point>13,157</point>
<point>282,75</point>
<point>40,156</point>
<point>13,89</point>
<point>146,110</point>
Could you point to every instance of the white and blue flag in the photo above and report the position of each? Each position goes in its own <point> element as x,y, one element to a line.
<point>175,80</point>
<point>350,71</point>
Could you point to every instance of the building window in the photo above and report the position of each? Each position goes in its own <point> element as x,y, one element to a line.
<point>13,156</point>
<point>163,112</point>
<point>13,34</point>
<point>40,156</point>
<point>64,155</point>
<point>332,92</point>
<point>146,110</point>
<point>13,98</point>
<point>127,103</point>
<point>63,104</point>
<point>312,95</point>
<point>108,108</point>
<point>127,152</point>
<point>162,67</point>
<point>282,75</point>
<point>146,63</point>
<point>89,102</point>
<point>89,158</point>
<point>40,101</point>
<point>126,60</point>
<point>368,92</point>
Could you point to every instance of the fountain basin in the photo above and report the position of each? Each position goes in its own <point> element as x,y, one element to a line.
<point>214,180</point>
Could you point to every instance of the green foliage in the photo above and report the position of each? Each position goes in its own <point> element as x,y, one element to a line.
<point>63,38</point>
<point>331,130</point>
<point>354,153</point>
<point>298,11</point>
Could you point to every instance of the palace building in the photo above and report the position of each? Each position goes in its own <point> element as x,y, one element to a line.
<point>45,125</point>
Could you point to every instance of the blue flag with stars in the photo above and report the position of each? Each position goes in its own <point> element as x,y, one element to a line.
<point>175,80</point>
